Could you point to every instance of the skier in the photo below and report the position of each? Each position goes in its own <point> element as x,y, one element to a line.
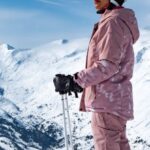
<point>107,90</point>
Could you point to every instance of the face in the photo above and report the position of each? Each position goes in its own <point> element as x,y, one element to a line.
<point>101,4</point>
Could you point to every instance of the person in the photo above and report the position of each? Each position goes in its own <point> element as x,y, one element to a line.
<point>107,90</point>
<point>105,81</point>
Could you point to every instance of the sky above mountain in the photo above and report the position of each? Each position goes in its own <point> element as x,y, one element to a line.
<point>29,23</point>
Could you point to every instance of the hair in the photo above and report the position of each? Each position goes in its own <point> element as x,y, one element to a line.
<point>120,2</point>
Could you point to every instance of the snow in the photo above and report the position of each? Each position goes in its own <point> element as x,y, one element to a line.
<point>7,105</point>
<point>26,75</point>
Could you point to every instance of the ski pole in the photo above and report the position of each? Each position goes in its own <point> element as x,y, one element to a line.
<point>65,125</point>
<point>69,122</point>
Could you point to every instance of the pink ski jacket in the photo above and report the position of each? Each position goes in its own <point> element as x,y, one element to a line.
<point>109,65</point>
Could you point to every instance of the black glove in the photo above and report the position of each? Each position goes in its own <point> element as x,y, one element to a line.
<point>74,87</point>
<point>65,84</point>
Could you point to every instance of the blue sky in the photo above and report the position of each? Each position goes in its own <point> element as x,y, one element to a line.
<point>30,23</point>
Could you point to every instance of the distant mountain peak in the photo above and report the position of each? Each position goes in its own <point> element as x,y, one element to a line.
<point>6,46</point>
<point>61,41</point>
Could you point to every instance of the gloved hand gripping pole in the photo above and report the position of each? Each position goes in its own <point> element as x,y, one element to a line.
<point>65,85</point>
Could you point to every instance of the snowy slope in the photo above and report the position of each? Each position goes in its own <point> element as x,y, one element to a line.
<point>140,127</point>
<point>30,110</point>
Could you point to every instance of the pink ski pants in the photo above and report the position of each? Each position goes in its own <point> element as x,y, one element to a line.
<point>109,132</point>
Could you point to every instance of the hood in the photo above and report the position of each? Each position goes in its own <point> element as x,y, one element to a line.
<point>128,17</point>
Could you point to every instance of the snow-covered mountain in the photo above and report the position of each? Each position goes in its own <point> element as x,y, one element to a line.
<point>31,112</point>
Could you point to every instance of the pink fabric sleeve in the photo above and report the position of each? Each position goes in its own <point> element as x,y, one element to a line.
<point>100,71</point>
<point>110,49</point>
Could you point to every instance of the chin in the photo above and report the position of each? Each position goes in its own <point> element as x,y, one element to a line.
<point>98,8</point>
